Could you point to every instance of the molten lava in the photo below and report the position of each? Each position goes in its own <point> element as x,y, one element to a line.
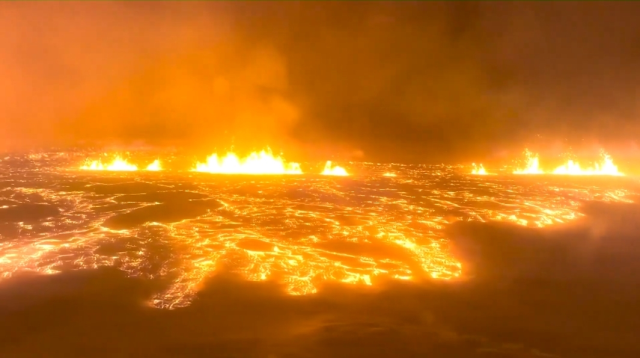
<point>256,163</point>
<point>604,167</point>
<point>263,229</point>
<point>155,166</point>
<point>118,164</point>
<point>532,164</point>
<point>333,170</point>
<point>478,169</point>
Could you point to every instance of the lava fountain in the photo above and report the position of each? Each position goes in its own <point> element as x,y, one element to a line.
<point>532,164</point>
<point>604,167</point>
<point>155,166</point>
<point>255,163</point>
<point>478,169</point>
<point>329,169</point>
<point>118,164</point>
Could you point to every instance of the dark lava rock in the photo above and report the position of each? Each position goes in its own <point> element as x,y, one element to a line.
<point>4,202</point>
<point>160,197</point>
<point>74,186</point>
<point>114,207</point>
<point>121,245</point>
<point>255,245</point>
<point>162,213</point>
<point>28,212</point>
<point>126,188</point>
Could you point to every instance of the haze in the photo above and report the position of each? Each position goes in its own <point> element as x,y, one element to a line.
<point>421,82</point>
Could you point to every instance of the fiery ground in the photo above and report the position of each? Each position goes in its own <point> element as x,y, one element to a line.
<point>301,230</point>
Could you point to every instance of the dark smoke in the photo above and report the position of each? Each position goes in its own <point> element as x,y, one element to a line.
<point>426,82</point>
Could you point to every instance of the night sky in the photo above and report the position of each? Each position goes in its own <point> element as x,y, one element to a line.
<point>406,82</point>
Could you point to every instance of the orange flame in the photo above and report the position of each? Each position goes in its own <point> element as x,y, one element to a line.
<point>256,163</point>
<point>478,170</point>
<point>155,166</point>
<point>604,167</point>
<point>532,164</point>
<point>331,170</point>
<point>118,164</point>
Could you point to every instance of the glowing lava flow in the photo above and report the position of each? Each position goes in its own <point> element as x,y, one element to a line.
<point>118,164</point>
<point>331,170</point>
<point>478,170</point>
<point>532,166</point>
<point>355,234</point>
<point>155,166</point>
<point>256,163</point>
<point>604,167</point>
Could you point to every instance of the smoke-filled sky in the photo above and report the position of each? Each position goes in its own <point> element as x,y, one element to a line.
<point>414,82</point>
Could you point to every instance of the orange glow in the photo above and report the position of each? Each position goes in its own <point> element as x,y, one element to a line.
<point>118,164</point>
<point>478,170</point>
<point>155,166</point>
<point>604,167</point>
<point>259,240</point>
<point>334,170</point>
<point>389,174</point>
<point>532,164</point>
<point>255,163</point>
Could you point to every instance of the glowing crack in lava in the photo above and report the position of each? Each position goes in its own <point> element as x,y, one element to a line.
<point>604,167</point>
<point>255,163</point>
<point>155,166</point>
<point>478,170</point>
<point>532,164</point>
<point>118,164</point>
<point>297,231</point>
<point>333,170</point>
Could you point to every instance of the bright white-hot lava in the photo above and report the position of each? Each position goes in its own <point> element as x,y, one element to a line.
<point>329,169</point>
<point>604,167</point>
<point>255,163</point>
<point>118,164</point>
<point>478,169</point>
<point>155,166</point>
<point>532,164</point>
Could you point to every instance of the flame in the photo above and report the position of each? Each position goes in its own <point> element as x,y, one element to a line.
<point>533,164</point>
<point>604,167</point>
<point>329,170</point>
<point>256,163</point>
<point>389,174</point>
<point>478,170</point>
<point>118,164</point>
<point>155,166</point>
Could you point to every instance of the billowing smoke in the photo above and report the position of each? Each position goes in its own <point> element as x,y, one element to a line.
<point>161,74</point>
<point>425,82</point>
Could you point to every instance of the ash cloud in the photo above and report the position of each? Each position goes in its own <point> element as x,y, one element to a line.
<point>422,82</point>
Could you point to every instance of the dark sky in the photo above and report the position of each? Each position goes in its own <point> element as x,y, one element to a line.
<point>421,82</point>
